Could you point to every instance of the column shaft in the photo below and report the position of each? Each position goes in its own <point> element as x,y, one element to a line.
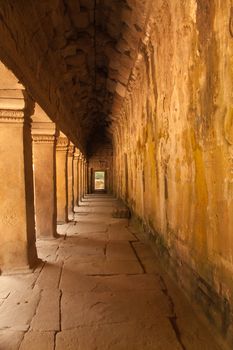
<point>43,134</point>
<point>70,166</point>
<point>75,176</point>
<point>17,224</point>
<point>80,178</point>
<point>61,179</point>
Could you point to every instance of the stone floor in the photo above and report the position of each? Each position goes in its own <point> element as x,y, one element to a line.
<point>99,288</point>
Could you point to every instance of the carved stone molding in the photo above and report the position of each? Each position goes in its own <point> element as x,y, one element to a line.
<point>11,116</point>
<point>43,139</point>
<point>77,154</point>
<point>62,144</point>
<point>71,150</point>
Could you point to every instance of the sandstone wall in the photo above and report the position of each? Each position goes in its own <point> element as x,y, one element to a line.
<point>173,146</point>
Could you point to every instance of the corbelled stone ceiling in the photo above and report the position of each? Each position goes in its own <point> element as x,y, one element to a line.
<point>74,56</point>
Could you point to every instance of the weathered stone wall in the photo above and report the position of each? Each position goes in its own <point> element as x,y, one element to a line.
<point>173,147</point>
<point>101,160</point>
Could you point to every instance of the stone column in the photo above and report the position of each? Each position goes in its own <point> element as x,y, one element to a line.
<point>61,178</point>
<point>75,176</point>
<point>44,165</point>
<point>79,177</point>
<point>17,223</point>
<point>70,181</point>
<point>85,177</point>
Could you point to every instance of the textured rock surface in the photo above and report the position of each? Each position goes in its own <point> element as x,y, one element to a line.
<point>61,306</point>
<point>173,147</point>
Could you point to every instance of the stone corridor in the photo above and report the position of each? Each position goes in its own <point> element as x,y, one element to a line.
<point>99,287</point>
<point>116,174</point>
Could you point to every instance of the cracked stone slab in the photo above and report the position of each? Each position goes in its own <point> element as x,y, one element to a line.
<point>114,307</point>
<point>50,275</point>
<point>143,251</point>
<point>126,283</point>
<point>10,340</point>
<point>98,237</point>
<point>74,283</point>
<point>118,232</point>
<point>81,248</point>
<point>147,257</point>
<point>18,310</point>
<point>120,251</point>
<point>195,333</point>
<point>17,283</point>
<point>107,300</point>
<point>47,313</point>
<point>38,341</point>
<point>87,227</point>
<point>102,266</point>
<point>130,335</point>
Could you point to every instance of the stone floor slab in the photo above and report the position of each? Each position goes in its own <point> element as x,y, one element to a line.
<point>10,340</point>
<point>87,227</point>
<point>38,341</point>
<point>118,232</point>
<point>47,313</point>
<point>104,267</point>
<point>49,276</point>
<point>98,290</point>
<point>120,251</point>
<point>18,310</point>
<point>114,307</point>
<point>123,336</point>
<point>76,283</point>
<point>81,248</point>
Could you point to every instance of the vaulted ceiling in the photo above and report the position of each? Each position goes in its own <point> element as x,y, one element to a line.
<point>74,56</point>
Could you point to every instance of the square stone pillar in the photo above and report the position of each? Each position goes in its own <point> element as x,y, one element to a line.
<point>44,166</point>
<point>79,177</point>
<point>61,178</point>
<point>84,177</point>
<point>76,176</point>
<point>70,167</point>
<point>17,224</point>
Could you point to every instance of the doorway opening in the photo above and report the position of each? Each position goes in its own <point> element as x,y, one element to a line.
<point>99,181</point>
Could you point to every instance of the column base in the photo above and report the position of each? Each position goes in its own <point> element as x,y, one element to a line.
<point>62,222</point>
<point>47,238</point>
<point>22,270</point>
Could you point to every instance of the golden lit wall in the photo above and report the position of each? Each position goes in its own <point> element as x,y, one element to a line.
<point>173,146</point>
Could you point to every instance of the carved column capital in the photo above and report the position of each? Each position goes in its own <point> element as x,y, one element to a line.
<point>43,129</point>
<point>62,144</point>
<point>11,116</point>
<point>76,154</point>
<point>71,149</point>
<point>43,139</point>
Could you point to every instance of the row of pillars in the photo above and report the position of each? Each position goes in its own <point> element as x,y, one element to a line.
<point>71,178</point>
<point>43,176</point>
